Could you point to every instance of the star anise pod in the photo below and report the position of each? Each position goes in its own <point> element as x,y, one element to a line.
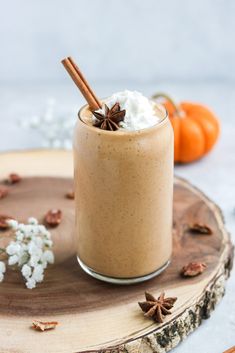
<point>110,119</point>
<point>158,308</point>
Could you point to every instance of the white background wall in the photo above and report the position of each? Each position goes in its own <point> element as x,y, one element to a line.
<point>118,40</point>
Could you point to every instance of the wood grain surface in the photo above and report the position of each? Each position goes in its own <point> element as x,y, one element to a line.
<point>92,315</point>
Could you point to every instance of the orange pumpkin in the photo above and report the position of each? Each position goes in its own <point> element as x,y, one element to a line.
<point>196,129</point>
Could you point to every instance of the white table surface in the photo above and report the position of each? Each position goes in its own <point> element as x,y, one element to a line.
<point>215,174</point>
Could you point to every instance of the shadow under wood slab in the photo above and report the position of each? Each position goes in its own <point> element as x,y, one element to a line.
<point>96,316</point>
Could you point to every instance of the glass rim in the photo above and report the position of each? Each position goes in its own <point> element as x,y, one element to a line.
<point>125,131</point>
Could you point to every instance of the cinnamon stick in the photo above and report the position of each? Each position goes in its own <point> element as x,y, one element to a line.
<point>81,83</point>
<point>85,81</point>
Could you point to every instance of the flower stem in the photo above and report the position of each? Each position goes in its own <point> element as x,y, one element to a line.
<point>170,100</point>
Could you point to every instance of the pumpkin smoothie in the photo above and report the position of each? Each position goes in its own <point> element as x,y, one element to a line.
<point>123,157</point>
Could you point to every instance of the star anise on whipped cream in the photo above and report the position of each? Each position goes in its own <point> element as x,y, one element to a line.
<point>158,308</point>
<point>110,119</point>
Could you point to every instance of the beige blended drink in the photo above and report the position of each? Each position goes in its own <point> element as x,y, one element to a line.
<point>124,190</point>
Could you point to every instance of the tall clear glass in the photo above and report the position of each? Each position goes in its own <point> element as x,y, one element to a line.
<point>123,197</point>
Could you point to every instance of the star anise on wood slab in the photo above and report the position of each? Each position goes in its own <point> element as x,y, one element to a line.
<point>158,308</point>
<point>110,119</point>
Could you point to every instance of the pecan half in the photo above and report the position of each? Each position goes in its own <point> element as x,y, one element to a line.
<point>193,269</point>
<point>44,326</point>
<point>53,217</point>
<point>70,195</point>
<point>200,228</point>
<point>3,222</point>
<point>13,178</point>
<point>3,192</point>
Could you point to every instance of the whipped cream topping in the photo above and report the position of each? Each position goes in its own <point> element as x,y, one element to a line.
<point>140,113</point>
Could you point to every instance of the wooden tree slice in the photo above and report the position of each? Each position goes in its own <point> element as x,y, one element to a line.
<point>92,315</point>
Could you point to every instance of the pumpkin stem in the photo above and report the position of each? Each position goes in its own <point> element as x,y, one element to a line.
<point>170,100</point>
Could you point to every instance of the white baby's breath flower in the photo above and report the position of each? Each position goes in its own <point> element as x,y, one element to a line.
<point>1,276</point>
<point>31,283</point>
<point>13,248</point>
<point>26,271</point>
<point>23,258</point>
<point>13,260</point>
<point>38,242</point>
<point>33,249</point>
<point>42,229</point>
<point>37,274</point>
<point>29,231</point>
<point>33,221</point>
<point>2,267</point>
<point>13,224</point>
<point>48,243</point>
<point>35,121</point>
<point>22,227</point>
<point>48,256</point>
<point>34,260</point>
<point>19,235</point>
<point>43,263</point>
<point>24,247</point>
<point>47,234</point>
<point>30,250</point>
<point>55,129</point>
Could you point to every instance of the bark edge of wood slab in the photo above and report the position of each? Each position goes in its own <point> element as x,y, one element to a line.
<point>116,307</point>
